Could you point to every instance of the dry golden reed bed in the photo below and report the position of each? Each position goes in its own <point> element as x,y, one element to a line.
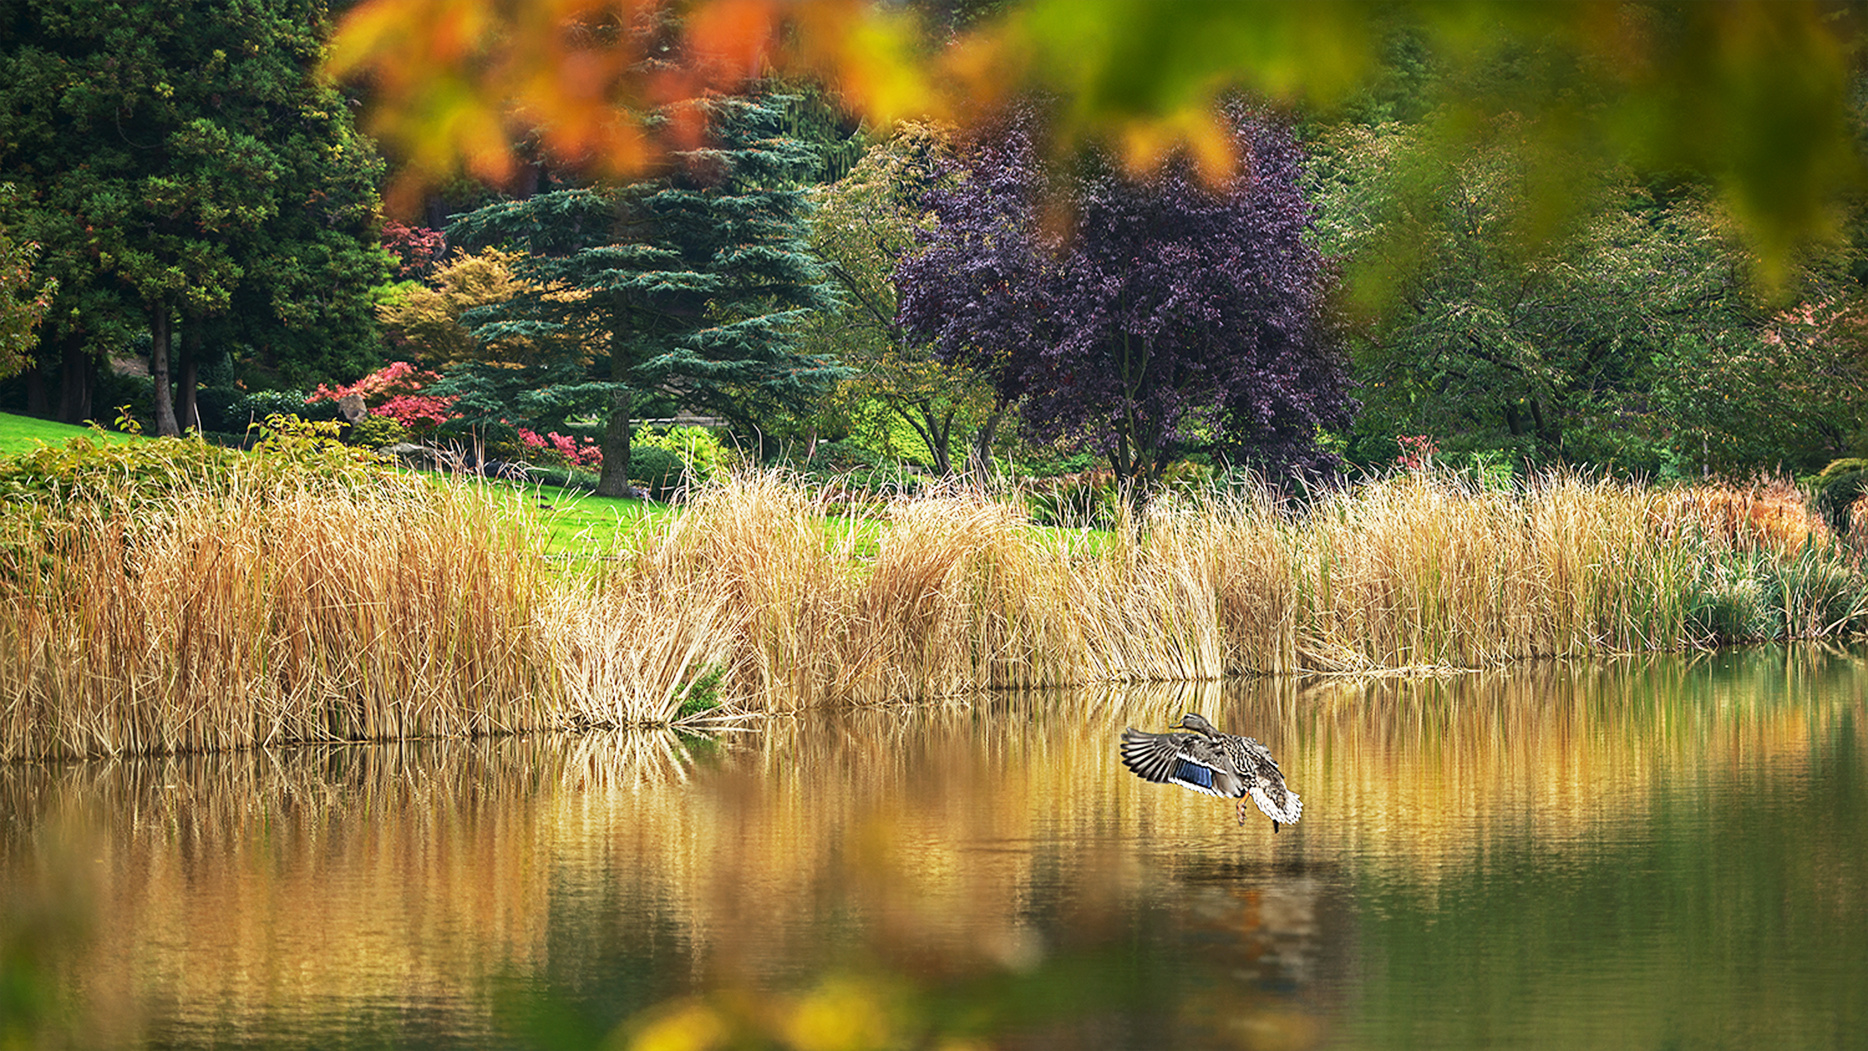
<point>271,614</point>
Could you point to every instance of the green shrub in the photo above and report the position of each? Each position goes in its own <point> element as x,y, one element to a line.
<point>291,446</point>
<point>129,476</point>
<point>1728,605</point>
<point>1762,597</point>
<point>836,458</point>
<point>1836,488</point>
<point>376,432</point>
<point>1050,463</point>
<point>698,447</point>
<point>254,406</point>
<point>1813,594</point>
<point>1187,475</point>
<point>88,470</point>
<point>1843,466</point>
<point>656,470</point>
<point>703,694</point>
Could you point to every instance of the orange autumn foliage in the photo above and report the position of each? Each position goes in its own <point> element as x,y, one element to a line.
<point>456,83</point>
<point>1770,515</point>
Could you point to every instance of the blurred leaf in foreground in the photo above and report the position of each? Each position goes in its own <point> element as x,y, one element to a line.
<point>1753,94</point>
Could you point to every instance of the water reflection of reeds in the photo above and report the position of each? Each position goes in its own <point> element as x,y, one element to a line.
<point>285,882</point>
<point>1556,753</point>
<point>936,844</point>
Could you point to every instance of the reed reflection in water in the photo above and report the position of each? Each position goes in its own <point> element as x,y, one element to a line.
<point>1629,853</point>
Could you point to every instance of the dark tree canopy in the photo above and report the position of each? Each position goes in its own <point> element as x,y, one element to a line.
<point>21,304</point>
<point>183,167</point>
<point>688,287</point>
<point>1157,314</point>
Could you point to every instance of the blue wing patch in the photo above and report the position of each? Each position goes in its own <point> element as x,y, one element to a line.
<point>1193,774</point>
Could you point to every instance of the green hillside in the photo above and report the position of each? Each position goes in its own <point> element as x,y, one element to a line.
<point>20,434</point>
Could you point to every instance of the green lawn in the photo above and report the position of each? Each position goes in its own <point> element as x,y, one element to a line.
<point>589,526</point>
<point>19,434</point>
<point>583,524</point>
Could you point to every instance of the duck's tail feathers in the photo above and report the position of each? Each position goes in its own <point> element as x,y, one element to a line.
<point>1280,804</point>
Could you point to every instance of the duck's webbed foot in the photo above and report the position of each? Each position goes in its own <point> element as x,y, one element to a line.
<point>1242,803</point>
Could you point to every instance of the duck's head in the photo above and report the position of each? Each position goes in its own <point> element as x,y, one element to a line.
<point>1197,723</point>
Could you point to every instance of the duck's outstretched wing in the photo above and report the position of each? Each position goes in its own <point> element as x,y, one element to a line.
<point>1187,760</point>
<point>1279,803</point>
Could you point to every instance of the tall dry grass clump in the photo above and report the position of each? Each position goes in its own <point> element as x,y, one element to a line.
<point>1417,570</point>
<point>1198,587</point>
<point>630,656</point>
<point>961,594</point>
<point>229,620</point>
<point>751,550</point>
<point>328,601</point>
<point>954,592</point>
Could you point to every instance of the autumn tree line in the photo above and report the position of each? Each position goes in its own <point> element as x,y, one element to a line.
<point>191,224</point>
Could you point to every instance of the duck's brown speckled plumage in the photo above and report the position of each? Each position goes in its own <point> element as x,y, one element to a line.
<point>1215,763</point>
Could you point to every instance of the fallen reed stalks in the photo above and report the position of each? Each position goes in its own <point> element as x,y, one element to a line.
<point>269,608</point>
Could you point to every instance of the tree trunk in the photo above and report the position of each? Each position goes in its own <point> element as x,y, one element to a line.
<point>1547,431</point>
<point>38,391</point>
<point>74,382</point>
<point>943,444</point>
<point>1514,420</point>
<point>979,453</point>
<point>159,372</point>
<point>615,444</point>
<point>935,433</point>
<point>187,413</point>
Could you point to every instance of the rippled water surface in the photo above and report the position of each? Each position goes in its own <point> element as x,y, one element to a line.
<point>1645,853</point>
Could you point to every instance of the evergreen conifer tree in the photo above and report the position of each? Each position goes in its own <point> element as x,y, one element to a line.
<point>688,286</point>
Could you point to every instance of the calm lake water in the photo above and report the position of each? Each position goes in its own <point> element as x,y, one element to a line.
<point>1642,853</point>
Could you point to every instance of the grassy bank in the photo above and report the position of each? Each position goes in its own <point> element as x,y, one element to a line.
<point>21,434</point>
<point>173,597</point>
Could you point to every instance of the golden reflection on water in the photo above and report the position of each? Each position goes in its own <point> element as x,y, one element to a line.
<point>1426,772</point>
<point>315,891</point>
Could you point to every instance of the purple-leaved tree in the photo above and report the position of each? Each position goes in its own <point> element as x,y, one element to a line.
<point>1162,313</point>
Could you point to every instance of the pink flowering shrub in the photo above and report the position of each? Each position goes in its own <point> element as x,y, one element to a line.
<point>378,387</point>
<point>394,391</point>
<point>417,412</point>
<point>397,377</point>
<point>587,454</point>
<point>1417,451</point>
